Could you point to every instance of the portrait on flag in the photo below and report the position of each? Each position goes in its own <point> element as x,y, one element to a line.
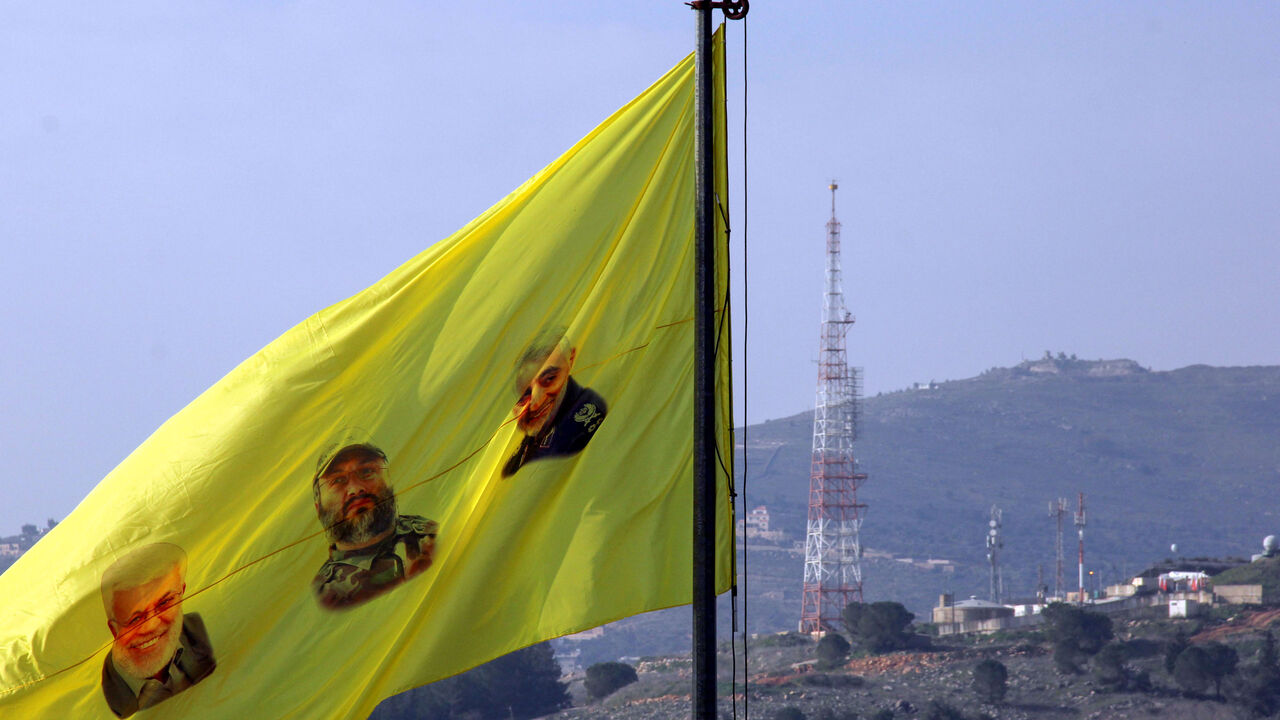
<point>312,480</point>
<point>556,414</point>
<point>156,650</point>
<point>373,548</point>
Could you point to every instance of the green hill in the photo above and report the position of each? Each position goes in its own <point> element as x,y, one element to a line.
<point>1188,456</point>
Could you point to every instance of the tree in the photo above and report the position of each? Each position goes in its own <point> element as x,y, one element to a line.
<point>880,626</point>
<point>30,534</point>
<point>990,680</point>
<point>1191,670</point>
<point>605,678</point>
<point>1173,649</point>
<point>833,648</point>
<point>526,683</point>
<point>1075,633</point>
<point>937,709</point>
<point>1109,669</point>
<point>1222,662</point>
<point>523,684</point>
<point>852,616</point>
<point>1256,688</point>
<point>1065,659</point>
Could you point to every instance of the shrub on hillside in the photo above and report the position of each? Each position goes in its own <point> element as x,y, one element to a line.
<point>1173,649</point>
<point>1086,631</point>
<point>1109,668</point>
<point>990,680</point>
<point>1066,659</point>
<point>790,712</point>
<point>879,626</point>
<point>1076,634</point>
<point>1191,670</point>
<point>938,710</point>
<point>604,679</point>
<point>832,649</point>
<point>1256,687</point>
<point>830,714</point>
<point>522,684</point>
<point>1200,666</point>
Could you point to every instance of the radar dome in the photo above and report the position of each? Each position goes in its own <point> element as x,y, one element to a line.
<point>1269,543</point>
<point>1174,548</point>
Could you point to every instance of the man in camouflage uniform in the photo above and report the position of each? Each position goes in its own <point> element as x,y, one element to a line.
<point>557,415</point>
<point>372,547</point>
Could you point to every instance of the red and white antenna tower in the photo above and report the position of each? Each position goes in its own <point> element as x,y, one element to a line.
<point>832,549</point>
<point>1080,522</point>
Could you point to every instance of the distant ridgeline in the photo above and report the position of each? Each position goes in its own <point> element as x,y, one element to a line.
<point>1062,364</point>
<point>1186,456</point>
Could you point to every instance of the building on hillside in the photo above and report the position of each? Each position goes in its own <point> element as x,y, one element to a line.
<point>949,611</point>
<point>10,549</point>
<point>756,525</point>
<point>1240,595</point>
<point>1183,581</point>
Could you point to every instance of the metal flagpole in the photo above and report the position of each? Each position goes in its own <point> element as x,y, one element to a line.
<point>704,354</point>
<point>704,407</point>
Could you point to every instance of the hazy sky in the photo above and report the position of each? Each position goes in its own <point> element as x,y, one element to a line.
<point>182,182</point>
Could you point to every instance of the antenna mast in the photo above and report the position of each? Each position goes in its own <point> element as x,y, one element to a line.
<point>995,543</point>
<point>833,548</point>
<point>1058,510</point>
<point>1080,531</point>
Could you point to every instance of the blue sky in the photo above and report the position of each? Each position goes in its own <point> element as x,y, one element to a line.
<point>182,182</point>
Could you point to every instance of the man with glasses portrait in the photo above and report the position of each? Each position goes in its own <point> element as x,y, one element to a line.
<point>373,548</point>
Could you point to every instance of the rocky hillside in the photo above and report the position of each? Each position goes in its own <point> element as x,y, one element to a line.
<point>937,684</point>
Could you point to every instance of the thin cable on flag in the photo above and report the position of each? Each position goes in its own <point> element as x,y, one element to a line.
<point>311,536</point>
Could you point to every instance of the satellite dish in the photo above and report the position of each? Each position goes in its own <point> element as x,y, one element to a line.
<point>1174,548</point>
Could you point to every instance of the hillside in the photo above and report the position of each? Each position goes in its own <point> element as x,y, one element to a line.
<point>1187,456</point>
<point>937,683</point>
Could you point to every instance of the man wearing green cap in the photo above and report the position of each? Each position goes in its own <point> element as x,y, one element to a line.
<point>372,547</point>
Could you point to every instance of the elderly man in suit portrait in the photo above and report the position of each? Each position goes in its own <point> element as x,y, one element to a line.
<point>157,651</point>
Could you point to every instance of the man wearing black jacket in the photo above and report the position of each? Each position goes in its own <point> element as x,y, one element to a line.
<point>557,415</point>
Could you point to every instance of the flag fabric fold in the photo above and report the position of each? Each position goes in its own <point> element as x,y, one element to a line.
<point>490,447</point>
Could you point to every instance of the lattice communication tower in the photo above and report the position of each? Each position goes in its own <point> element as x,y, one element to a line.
<point>1058,511</point>
<point>833,549</point>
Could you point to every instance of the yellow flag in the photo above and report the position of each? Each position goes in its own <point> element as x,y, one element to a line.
<point>490,447</point>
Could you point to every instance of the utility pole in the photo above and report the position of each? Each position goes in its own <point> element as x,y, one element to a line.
<point>1058,511</point>
<point>995,543</point>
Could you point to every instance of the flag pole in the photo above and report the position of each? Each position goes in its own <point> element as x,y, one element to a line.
<point>704,414</point>
<point>704,383</point>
